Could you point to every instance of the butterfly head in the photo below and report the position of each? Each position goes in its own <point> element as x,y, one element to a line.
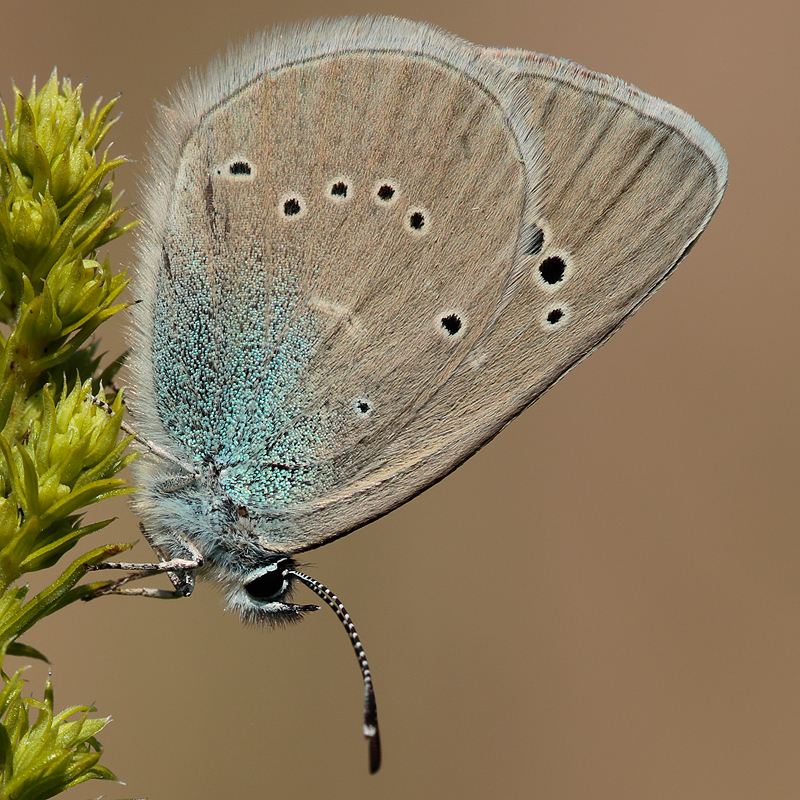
<point>261,594</point>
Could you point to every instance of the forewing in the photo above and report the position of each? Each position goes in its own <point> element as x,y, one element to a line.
<point>631,183</point>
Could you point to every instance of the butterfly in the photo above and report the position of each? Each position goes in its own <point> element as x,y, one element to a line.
<point>368,245</point>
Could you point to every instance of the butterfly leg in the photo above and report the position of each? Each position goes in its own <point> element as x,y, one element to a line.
<point>119,587</point>
<point>181,571</point>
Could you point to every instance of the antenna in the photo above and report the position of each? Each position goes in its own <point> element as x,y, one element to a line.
<point>371,732</point>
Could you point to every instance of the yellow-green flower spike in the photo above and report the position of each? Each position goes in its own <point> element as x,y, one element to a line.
<point>59,451</point>
<point>45,757</point>
<point>57,208</point>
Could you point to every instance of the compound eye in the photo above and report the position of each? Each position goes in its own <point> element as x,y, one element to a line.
<point>270,586</point>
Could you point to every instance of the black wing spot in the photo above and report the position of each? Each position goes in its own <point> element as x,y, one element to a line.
<point>417,221</point>
<point>532,240</point>
<point>291,207</point>
<point>240,168</point>
<point>552,270</point>
<point>362,407</point>
<point>339,189</point>
<point>452,324</point>
<point>385,192</point>
<point>555,316</point>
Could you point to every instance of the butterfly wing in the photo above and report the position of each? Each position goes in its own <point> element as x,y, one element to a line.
<point>373,244</point>
<point>631,182</point>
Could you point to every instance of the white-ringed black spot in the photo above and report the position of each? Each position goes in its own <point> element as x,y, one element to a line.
<point>552,270</point>
<point>237,169</point>
<point>385,192</point>
<point>417,221</point>
<point>362,406</point>
<point>240,168</point>
<point>292,207</point>
<point>554,316</point>
<point>339,189</point>
<point>451,324</point>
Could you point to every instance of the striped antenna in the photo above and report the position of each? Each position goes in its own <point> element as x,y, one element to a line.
<point>371,732</point>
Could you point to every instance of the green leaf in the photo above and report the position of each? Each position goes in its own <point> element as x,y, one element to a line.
<point>26,137</point>
<point>44,557</point>
<point>26,651</point>
<point>6,752</point>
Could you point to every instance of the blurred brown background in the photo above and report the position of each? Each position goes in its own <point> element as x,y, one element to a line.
<point>605,601</point>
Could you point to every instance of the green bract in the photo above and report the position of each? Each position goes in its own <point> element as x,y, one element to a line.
<point>59,450</point>
<point>65,462</point>
<point>42,759</point>
<point>55,211</point>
